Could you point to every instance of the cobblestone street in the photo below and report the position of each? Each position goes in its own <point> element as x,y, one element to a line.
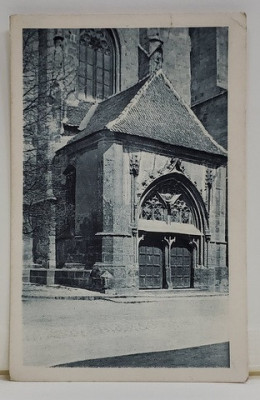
<point>63,331</point>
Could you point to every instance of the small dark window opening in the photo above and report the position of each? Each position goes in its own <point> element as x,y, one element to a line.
<point>68,218</point>
<point>70,174</point>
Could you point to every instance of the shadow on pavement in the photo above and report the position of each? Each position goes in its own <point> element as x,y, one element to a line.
<point>209,356</point>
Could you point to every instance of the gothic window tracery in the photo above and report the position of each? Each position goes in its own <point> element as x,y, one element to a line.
<point>180,212</point>
<point>96,77</point>
<point>153,209</point>
<point>168,203</point>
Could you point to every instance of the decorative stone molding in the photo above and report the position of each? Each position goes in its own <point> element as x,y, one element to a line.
<point>139,239</point>
<point>193,243</point>
<point>153,209</point>
<point>58,37</point>
<point>169,240</point>
<point>165,207</point>
<point>152,58</point>
<point>209,178</point>
<point>134,164</point>
<point>207,236</point>
<point>95,39</point>
<point>113,234</point>
<point>169,198</point>
<point>174,164</point>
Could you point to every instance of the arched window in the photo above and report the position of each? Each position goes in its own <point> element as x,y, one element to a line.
<point>173,204</point>
<point>97,63</point>
<point>168,202</point>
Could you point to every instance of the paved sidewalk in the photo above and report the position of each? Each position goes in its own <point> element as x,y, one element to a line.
<point>65,331</point>
<point>59,292</point>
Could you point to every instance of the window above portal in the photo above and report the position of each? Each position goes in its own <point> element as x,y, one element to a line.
<point>168,203</point>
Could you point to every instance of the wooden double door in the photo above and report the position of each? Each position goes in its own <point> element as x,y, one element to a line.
<point>160,269</point>
<point>151,263</point>
<point>181,265</point>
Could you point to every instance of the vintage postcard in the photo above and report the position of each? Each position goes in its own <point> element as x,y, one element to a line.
<point>128,198</point>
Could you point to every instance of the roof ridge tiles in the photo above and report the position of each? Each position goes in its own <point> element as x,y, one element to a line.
<point>133,101</point>
<point>152,109</point>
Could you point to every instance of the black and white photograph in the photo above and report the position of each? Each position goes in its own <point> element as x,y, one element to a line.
<point>125,200</point>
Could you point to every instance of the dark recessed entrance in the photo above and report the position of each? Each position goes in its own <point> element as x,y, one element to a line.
<point>153,268</point>
<point>151,263</point>
<point>181,265</point>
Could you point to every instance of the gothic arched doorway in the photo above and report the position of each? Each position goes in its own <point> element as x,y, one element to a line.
<point>172,222</point>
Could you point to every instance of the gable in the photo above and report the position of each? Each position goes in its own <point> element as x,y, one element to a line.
<point>152,109</point>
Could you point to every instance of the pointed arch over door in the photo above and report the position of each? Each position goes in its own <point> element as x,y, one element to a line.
<point>174,199</point>
<point>172,216</point>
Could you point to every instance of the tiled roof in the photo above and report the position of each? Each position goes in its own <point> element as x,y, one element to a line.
<point>75,114</point>
<point>110,109</point>
<point>152,109</point>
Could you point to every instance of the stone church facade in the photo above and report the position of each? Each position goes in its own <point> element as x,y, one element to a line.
<point>133,139</point>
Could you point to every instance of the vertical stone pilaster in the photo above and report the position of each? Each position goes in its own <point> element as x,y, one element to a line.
<point>50,277</point>
<point>194,246</point>
<point>150,52</point>
<point>169,242</point>
<point>209,181</point>
<point>134,172</point>
<point>202,252</point>
<point>216,245</point>
<point>117,241</point>
<point>139,239</point>
<point>48,128</point>
<point>207,252</point>
<point>52,236</point>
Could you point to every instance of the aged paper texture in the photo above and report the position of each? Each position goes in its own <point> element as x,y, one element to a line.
<point>128,198</point>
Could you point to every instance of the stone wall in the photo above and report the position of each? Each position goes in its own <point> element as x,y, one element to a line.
<point>151,163</point>
<point>176,56</point>
<point>176,60</point>
<point>108,204</point>
<point>213,115</point>
<point>77,226</point>
<point>209,63</point>
<point>116,256</point>
<point>218,241</point>
<point>203,64</point>
<point>128,40</point>
<point>74,278</point>
<point>87,199</point>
